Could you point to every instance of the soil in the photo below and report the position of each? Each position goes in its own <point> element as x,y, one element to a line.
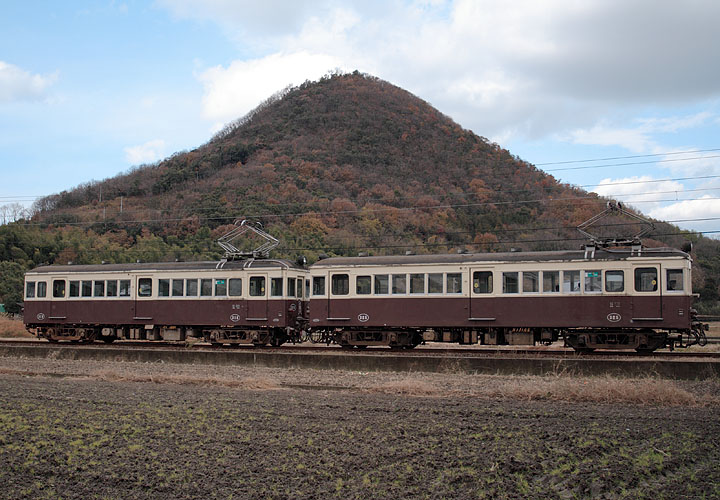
<point>83,430</point>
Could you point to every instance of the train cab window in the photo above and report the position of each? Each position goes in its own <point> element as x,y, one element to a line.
<point>482,282</point>
<point>276,287</point>
<point>435,283</point>
<point>399,283</point>
<point>178,288</point>
<point>206,287</point>
<point>614,281</point>
<point>86,289</point>
<point>257,286</point>
<point>646,279</point>
<point>74,289</point>
<point>124,290</point>
<point>510,282</point>
<point>674,280</point>
<point>307,289</point>
<point>235,287</point>
<point>318,285</point>
<point>382,284</point>
<point>363,285</point>
<point>41,289</point>
<point>144,287</point>
<point>99,289</point>
<point>164,288</point>
<point>30,290</point>
<point>58,289</point>
<point>454,283</point>
<point>531,281</point>
<point>299,288</point>
<point>417,283</point>
<point>291,287</point>
<point>571,281</point>
<point>191,288</point>
<point>340,284</point>
<point>551,281</point>
<point>220,287</point>
<point>111,288</point>
<point>593,281</point>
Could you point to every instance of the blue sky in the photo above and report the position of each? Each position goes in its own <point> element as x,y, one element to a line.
<point>90,89</point>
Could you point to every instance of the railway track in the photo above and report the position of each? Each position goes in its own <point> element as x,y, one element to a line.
<point>477,351</point>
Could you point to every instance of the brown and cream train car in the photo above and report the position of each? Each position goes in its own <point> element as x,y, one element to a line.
<point>244,301</point>
<point>606,298</point>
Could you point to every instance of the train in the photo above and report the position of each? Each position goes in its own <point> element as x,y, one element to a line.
<point>592,298</point>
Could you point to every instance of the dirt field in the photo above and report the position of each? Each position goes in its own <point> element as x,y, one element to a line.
<point>126,430</point>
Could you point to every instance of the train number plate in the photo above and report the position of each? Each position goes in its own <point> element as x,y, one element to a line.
<point>614,317</point>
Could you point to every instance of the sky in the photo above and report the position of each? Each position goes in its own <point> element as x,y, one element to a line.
<point>620,97</point>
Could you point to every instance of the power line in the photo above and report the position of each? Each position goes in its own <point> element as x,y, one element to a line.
<point>632,163</point>
<point>627,157</point>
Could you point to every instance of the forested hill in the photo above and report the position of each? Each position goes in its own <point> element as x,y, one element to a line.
<point>344,165</point>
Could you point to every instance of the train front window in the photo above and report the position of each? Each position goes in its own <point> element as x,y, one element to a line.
<point>299,288</point>
<point>646,279</point>
<point>257,286</point>
<point>30,290</point>
<point>571,281</point>
<point>124,288</point>
<point>435,283</point>
<point>482,282</point>
<point>454,283</point>
<point>531,281</point>
<point>340,284</point>
<point>318,287</point>
<point>58,289</point>
<point>674,280</point>
<point>593,281</point>
<point>551,281</point>
<point>276,288</point>
<point>510,282</point>
<point>291,287</point>
<point>144,287</point>
<point>614,281</point>
<point>382,286</point>
<point>235,287</point>
<point>363,285</point>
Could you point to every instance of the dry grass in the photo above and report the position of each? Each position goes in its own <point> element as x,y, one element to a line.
<point>406,387</point>
<point>252,383</point>
<point>10,328</point>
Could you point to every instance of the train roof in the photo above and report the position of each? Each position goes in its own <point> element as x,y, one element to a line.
<point>234,265</point>
<point>460,258</point>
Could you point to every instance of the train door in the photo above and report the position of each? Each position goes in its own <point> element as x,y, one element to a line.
<point>647,293</point>
<point>481,290</point>
<point>257,303</point>
<point>143,298</point>
<point>339,286</point>
<point>58,294</point>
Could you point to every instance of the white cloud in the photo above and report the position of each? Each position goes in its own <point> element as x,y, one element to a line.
<point>230,92</point>
<point>646,192</point>
<point>693,211</point>
<point>148,152</point>
<point>16,84</point>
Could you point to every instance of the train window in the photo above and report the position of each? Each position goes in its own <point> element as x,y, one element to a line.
<point>220,287</point>
<point>551,281</point>
<point>58,289</point>
<point>510,282</point>
<point>482,282</point>
<point>417,283</point>
<point>178,288</point>
<point>276,287</point>
<point>99,289</point>
<point>531,281</point>
<point>381,284</point>
<point>454,283</point>
<point>164,288</point>
<point>340,284</point>
<point>30,289</point>
<point>144,287</point>
<point>235,287</point>
<point>206,287</point>
<point>399,283</point>
<point>571,281</point>
<point>41,289</point>
<point>74,289</point>
<point>124,288</point>
<point>307,288</point>
<point>191,288</point>
<point>257,286</point>
<point>674,279</point>
<point>86,289</point>
<point>593,281</point>
<point>435,283</point>
<point>111,288</point>
<point>645,279</point>
<point>298,288</point>
<point>318,285</point>
<point>291,287</point>
<point>614,281</point>
<point>363,285</point>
